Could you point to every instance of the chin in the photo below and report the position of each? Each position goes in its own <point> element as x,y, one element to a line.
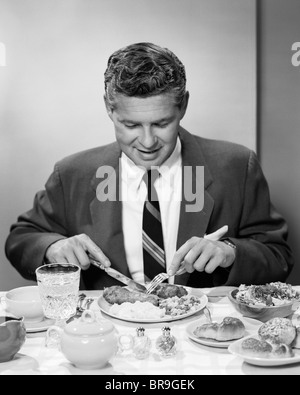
<point>148,163</point>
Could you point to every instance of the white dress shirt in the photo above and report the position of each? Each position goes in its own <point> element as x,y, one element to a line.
<point>133,195</point>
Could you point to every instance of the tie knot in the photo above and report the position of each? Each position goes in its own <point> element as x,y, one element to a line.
<point>149,178</point>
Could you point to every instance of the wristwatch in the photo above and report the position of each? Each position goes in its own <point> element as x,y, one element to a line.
<point>229,243</point>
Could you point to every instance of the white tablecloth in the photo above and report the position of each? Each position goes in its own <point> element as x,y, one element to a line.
<point>191,359</point>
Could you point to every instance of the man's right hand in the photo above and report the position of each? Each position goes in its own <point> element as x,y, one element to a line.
<point>76,250</point>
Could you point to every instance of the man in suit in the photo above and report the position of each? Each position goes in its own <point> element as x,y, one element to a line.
<point>94,201</point>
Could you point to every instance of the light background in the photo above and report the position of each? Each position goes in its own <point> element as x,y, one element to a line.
<point>51,89</point>
<point>2,55</point>
<point>279,112</point>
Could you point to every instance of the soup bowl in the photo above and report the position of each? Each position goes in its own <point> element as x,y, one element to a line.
<point>25,302</point>
<point>12,337</point>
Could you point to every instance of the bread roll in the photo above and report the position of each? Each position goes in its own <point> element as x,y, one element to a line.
<point>256,347</point>
<point>263,349</point>
<point>229,329</point>
<point>278,331</point>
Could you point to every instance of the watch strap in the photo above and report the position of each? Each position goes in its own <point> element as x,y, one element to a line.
<point>229,243</point>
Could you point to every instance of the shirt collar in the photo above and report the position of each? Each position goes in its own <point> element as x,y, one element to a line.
<point>174,160</point>
<point>130,173</point>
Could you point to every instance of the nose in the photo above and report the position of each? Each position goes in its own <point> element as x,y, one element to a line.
<point>148,139</point>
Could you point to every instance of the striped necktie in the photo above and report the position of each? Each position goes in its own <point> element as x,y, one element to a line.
<point>153,242</point>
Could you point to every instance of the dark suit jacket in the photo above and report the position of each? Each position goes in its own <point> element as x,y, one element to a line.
<point>236,194</point>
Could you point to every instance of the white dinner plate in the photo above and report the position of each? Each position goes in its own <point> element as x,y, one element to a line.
<point>105,308</point>
<point>236,349</point>
<point>251,326</point>
<point>34,327</point>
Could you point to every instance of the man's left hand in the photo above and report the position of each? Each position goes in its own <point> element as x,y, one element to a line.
<point>204,254</point>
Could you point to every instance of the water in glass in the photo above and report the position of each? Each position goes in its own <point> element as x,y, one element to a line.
<point>59,286</point>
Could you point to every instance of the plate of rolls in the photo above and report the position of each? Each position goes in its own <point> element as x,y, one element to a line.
<point>222,331</point>
<point>276,343</point>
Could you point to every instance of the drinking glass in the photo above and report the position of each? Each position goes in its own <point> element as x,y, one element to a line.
<point>58,285</point>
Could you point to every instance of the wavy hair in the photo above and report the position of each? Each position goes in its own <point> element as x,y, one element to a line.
<point>144,70</point>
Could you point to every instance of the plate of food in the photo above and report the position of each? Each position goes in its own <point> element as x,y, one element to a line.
<point>168,303</point>
<point>223,331</point>
<point>276,343</point>
<point>263,356</point>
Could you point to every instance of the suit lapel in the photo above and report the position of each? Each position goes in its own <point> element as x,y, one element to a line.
<point>193,223</point>
<point>107,215</point>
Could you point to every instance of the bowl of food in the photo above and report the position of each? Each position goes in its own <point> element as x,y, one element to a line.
<point>12,337</point>
<point>264,302</point>
<point>25,302</point>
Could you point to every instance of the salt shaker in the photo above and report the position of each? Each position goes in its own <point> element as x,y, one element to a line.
<point>141,344</point>
<point>125,343</point>
<point>166,343</point>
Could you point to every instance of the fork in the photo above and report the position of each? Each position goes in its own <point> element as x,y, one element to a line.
<point>83,304</point>
<point>79,308</point>
<point>81,299</point>
<point>160,278</point>
<point>88,303</point>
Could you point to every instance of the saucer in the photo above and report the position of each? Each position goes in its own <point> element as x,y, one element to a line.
<point>42,326</point>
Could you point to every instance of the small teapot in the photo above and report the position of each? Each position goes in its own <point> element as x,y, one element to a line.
<point>88,343</point>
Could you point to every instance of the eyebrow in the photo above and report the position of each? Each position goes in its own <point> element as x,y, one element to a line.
<point>162,120</point>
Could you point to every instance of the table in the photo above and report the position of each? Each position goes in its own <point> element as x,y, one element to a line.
<point>191,359</point>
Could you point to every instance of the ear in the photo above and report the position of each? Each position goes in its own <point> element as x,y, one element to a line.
<point>184,104</point>
<point>109,109</point>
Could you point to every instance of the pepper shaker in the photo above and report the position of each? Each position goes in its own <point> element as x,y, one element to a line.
<point>166,343</point>
<point>141,344</point>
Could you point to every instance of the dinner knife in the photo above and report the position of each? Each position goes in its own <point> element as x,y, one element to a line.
<point>119,276</point>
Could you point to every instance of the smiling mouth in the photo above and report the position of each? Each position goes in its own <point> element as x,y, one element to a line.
<point>149,152</point>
